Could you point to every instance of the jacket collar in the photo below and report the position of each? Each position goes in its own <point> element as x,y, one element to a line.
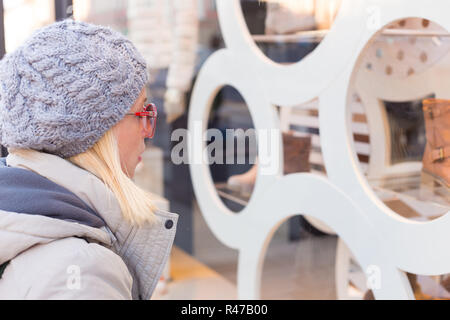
<point>144,249</point>
<point>24,191</point>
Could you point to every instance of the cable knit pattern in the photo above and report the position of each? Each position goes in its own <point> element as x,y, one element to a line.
<point>66,86</point>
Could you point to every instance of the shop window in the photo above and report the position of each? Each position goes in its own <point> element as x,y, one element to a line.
<point>232,148</point>
<point>287,31</point>
<point>401,74</point>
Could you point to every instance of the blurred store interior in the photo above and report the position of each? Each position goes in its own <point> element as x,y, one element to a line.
<point>176,37</point>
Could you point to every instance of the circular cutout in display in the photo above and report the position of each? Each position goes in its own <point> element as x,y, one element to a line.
<point>404,94</point>
<point>409,46</point>
<point>232,149</point>
<point>287,31</point>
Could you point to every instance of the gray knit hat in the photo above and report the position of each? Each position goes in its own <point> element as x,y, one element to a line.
<point>66,86</point>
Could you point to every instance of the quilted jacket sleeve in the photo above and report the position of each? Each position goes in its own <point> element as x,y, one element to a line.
<point>71,269</point>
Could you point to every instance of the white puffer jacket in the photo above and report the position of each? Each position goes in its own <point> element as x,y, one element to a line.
<point>56,258</point>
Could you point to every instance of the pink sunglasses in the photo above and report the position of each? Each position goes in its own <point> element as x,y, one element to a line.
<point>148,119</point>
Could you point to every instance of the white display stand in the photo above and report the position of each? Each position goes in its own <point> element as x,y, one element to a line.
<point>383,243</point>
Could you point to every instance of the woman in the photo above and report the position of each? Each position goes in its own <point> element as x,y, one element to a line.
<point>73,225</point>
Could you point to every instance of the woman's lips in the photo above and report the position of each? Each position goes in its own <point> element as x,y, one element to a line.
<point>140,158</point>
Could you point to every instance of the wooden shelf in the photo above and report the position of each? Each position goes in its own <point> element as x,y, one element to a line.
<point>402,193</point>
<point>318,35</point>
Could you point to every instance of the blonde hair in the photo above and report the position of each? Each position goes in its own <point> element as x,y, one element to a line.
<point>103,160</point>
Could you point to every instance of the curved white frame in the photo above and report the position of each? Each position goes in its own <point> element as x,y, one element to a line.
<point>375,234</point>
